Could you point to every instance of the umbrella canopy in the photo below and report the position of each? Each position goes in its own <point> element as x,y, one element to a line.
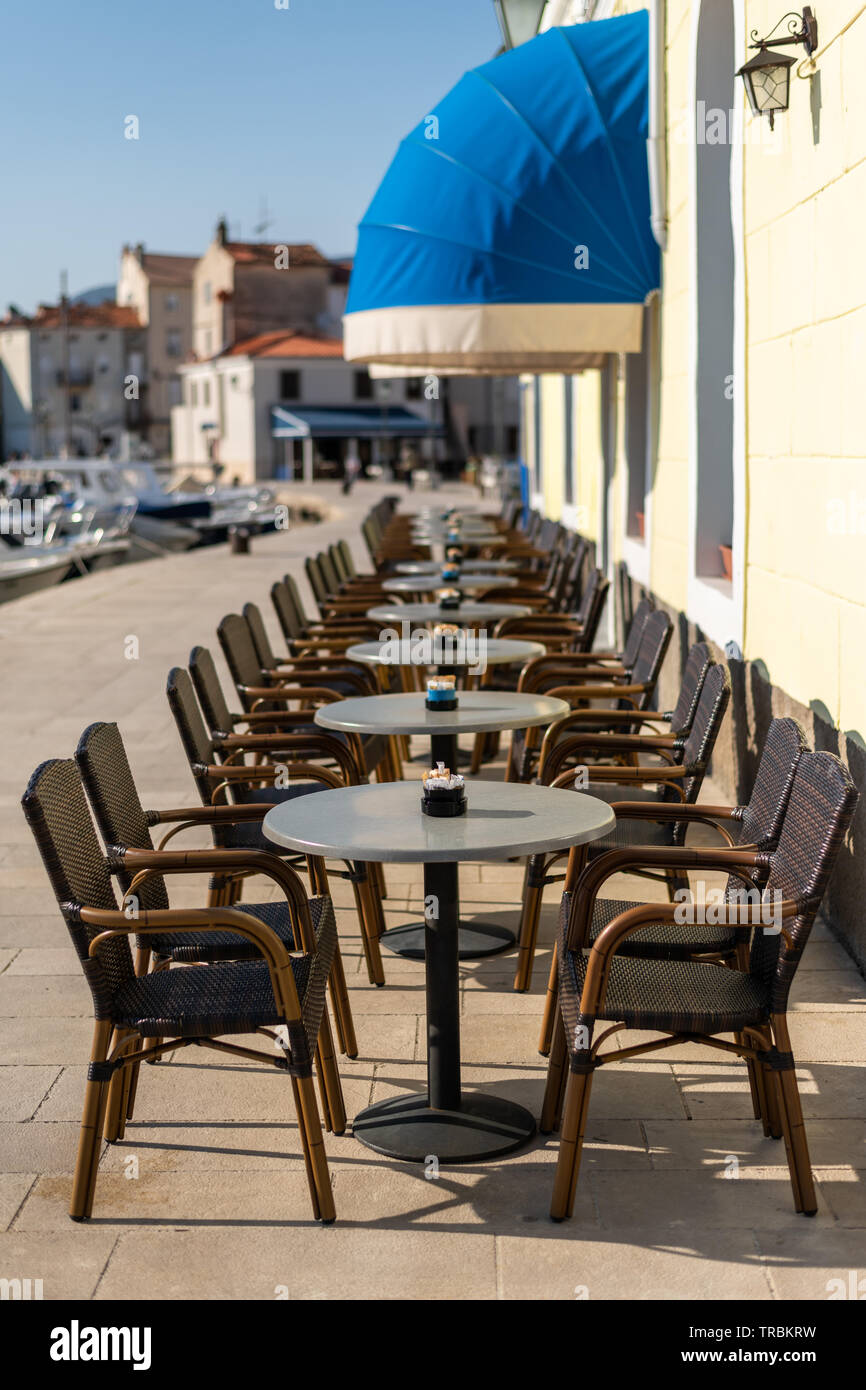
<point>512,230</point>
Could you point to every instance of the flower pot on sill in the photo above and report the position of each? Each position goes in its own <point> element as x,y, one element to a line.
<point>727,555</point>
<point>641,524</point>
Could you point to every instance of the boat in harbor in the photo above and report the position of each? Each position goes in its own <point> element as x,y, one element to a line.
<point>208,513</point>
<point>77,508</point>
<point>25,570</point>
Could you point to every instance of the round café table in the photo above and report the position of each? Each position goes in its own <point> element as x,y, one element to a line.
<point>435,566</point>
<point>465,614</point>
<point>498,651</point>
<point>478,540</point>
<point>383,822</point>
<point>427,583</point>
<point>477,712</point>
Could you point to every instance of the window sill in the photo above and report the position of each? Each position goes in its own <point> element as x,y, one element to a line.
<point>714,607</point>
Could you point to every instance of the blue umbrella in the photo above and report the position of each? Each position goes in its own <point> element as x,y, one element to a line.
<point>512,230</point>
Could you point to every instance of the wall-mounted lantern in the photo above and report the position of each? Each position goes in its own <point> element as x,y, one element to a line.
<point>767,76</point>
<point>518,20</point>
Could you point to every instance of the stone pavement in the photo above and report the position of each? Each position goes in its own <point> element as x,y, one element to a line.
<point>680,1195</point>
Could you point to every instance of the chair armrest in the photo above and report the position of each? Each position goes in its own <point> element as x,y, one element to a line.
<point>289,692</point>
<point>664,811</point>
<point>148,863</point>
<point>207,815</point>
<point>600,692</point>
<point>623,776</point>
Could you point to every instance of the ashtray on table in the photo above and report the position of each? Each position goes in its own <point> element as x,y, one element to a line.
<point>448,599</point>
<point>443,794</point>
<point>441,693</point>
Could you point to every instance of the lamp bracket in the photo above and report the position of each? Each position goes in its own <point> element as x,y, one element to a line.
<point>807,35</point>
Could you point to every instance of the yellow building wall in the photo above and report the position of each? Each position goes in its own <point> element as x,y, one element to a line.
<point>805,204</point>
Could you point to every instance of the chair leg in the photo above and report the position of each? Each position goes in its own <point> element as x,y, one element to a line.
<point>377,911</point>
<point>87,1161</point>
<point>314,1149</point>
<point>305,1148</point>
<point>365,941</point>
<point>755,1086</point>
<point>377,878</point>
<point>477,754</point>
<point>529,919</point>
<point>118,1092</point>
<point>759,1098</point>
<point>570,1145</point>
<point>142,965</point>
<point>491,746</point>
<point>551,1008</point>
<point>772,1117</point>
<point>370,932</point>
<point>323,1091</point>
<point>327,1064</point>
<point>793,1125</point>
<point>343,1019</point>
<point>557,1075</point>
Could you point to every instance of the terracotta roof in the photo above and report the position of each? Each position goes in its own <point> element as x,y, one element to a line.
<point>105,315</point>
<point>301,256</point>
<point>285,344</point>
<point>169,270</point>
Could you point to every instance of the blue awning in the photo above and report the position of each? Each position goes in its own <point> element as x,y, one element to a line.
<point>348,422</point>
<point>512,229</point>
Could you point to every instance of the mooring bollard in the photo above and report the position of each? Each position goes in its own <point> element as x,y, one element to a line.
<point>239,540</point>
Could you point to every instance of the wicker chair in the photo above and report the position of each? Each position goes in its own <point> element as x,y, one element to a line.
<point>309,662</point>
<point>559,632</point>
<point>125,829</point>
<point>696,1001</point>
<point>241,785</point>
<point>302,634</point>
<point>329,601</point>
<point>669,783</point>
<point>563,631</point>
<point>261,692</point>
<point>200,1005</point>
<point>558,750</point>
<point>632,692</point>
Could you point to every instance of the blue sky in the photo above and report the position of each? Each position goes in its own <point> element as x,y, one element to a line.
<point>237,100</point>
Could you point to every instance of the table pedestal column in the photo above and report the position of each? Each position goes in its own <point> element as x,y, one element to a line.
<point>475,940</point>
<point>445,1125</point>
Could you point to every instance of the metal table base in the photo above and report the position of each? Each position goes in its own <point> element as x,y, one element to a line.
<point>475,940</point>
<point>445,1124</point>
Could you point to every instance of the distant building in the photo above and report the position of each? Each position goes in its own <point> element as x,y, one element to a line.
<point>244,288</point>
<point>73,377</point>
<point>285,404</point>
<point>159,288</point>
